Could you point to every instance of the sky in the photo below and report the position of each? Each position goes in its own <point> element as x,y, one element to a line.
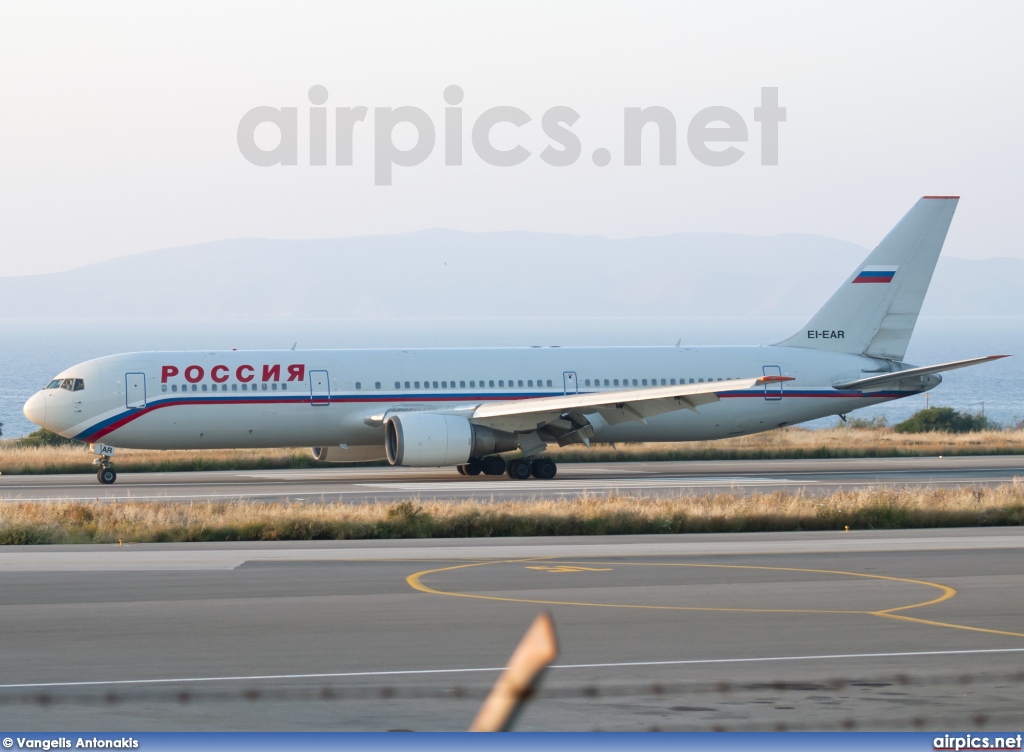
<point>121,121</point>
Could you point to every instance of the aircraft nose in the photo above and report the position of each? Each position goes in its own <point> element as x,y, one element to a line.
<point>35,409</point>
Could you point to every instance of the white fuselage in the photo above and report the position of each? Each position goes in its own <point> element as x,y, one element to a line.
<point>304,398</point>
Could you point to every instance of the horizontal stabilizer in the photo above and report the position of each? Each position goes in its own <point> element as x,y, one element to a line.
<point>908,373</point>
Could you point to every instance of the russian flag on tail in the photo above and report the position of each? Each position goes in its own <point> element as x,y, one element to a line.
<point>876,275</point>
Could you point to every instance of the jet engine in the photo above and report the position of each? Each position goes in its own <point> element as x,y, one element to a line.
<point>432,440</point>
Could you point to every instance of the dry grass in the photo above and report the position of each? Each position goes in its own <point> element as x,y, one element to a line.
<point>801,443</point>
<point>15,460</point>
<point>877,508</point>
<point>784,443</point>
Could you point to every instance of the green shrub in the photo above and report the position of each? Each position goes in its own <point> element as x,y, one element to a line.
<point>45,438</point>
<point>879,421</point>
<point>944,419</point>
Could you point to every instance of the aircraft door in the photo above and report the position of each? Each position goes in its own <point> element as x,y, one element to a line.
<point>135,390</point>
<point>319,388</point>
<point>772,391</point>
<point>569,381</point>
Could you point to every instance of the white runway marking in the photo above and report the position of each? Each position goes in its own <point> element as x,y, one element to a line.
<point>597,484</point>
<point>434,671</point>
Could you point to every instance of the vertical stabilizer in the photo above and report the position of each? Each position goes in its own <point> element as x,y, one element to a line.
<point>874,311</point>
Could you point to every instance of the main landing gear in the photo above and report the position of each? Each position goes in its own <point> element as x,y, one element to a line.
<point>517,469</point>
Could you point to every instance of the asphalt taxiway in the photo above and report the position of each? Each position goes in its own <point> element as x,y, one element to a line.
<point>868,630</point>
<point>359,485</point>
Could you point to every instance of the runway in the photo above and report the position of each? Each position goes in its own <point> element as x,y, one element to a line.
<point>887,630</point>
<point>357,485</point>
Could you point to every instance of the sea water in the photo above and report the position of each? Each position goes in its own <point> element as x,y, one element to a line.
<point>31,353</point>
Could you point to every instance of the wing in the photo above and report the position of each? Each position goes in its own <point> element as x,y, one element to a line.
<point>615,407</point>
<point>874,383</point>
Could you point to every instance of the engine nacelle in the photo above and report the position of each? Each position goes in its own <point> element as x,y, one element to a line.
<point>349,454</point>
<point>432,440</point>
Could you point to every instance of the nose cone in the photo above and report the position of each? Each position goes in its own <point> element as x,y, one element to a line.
<point>35,409</point>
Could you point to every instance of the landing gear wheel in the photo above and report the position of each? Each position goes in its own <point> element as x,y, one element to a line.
<point>473,467</point>
<point>520,469</point>
<point>494,465</point>
<point>544,468</point>
<point>461,469</point>
<point>106,475</point>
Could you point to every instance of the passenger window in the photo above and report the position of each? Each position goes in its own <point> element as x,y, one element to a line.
<point>234,387</point>
<point>691,381</point>
<point>264,387</point>
<point>245,387</point>
<point>501,382</point>
<point>444,384</point>
<point>520,382</point>
<point>634,382</point>
<point>616,382</point>
<point>398,385</point>
<point>472,384</point>
<point>462,385</point>
<point>549,382</point>
<point>645,382</point>
<point>663,382</point>
<point>284,387</point>
<point>204,387</point>
<point>163,387</point>
<point>174,387</point>
<point>700,380</point>
<point>406,385</point>
<point>672,381</point>
<point>417,384</point>
<point>359,385</point>
<point>491,382</point>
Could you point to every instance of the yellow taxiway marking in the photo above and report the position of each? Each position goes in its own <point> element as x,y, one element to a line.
<point>565,568</point>
<point>415,581</point>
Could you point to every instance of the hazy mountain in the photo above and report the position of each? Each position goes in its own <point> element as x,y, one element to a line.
<point>437,273</point>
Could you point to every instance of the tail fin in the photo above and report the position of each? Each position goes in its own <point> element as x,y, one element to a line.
<point>875,310</point>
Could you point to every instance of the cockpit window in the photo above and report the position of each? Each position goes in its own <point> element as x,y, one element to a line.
<point>72,385</point>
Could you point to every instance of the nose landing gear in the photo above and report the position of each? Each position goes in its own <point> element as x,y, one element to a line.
<point>105,474</point>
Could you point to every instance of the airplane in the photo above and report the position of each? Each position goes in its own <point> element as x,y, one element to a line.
<point>468,407</point>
